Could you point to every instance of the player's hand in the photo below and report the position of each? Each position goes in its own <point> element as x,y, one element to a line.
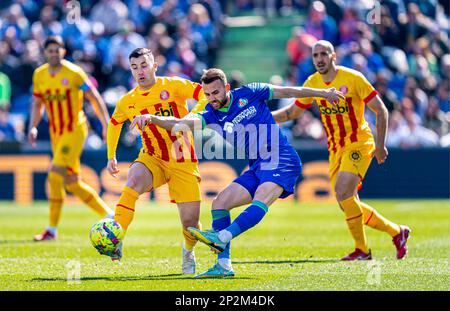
<point>381,154</point>
<point>32,136</point>
<point>333,96</point>
<point>112,167</point>
<point>141,121</point>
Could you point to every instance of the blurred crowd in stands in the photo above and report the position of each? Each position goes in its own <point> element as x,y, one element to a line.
<point>403,49</point>
<point>184,36</point>
<point>401,46</point>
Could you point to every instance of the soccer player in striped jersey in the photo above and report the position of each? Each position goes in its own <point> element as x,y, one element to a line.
<point>58,87</point>
<point>164,158</point>
<point>351,144</point>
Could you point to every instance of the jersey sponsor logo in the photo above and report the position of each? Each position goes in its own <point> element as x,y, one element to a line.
<point>64,81</point>
<point>355,155</point>
<point>243,102</point>
<point>334,110</point>
<point>344,89</point>
<point>246,114</point>
<point>164,112</point>
<point>54,97</point>
<point>164,95</point>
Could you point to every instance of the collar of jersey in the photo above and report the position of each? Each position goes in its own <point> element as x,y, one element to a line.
<point>231,103</point>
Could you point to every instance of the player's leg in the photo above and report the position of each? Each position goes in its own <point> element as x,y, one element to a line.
<point>399,233</point>
<point>139,180</point>
<point>189,216</point>
<point>265,194</point>
<point>233,196</point>
<point>346,190</point>
<point>86,193</point>
<point>56,200</point>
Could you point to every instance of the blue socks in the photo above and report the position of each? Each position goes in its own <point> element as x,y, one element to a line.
<point>249,218</point>
<point>221,220</point>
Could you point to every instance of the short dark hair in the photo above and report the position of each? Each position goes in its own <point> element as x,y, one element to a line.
<point>213,74</point>
<point>139,52</point>
<point>54,40</point>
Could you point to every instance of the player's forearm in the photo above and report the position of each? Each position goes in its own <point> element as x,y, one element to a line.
<point>112,139</point>
<point>169,123</point>
<point>287,113</point>
<point>99,106</point>
<point>298,92</point>
<point>381,124</point>
<point>37,111</point>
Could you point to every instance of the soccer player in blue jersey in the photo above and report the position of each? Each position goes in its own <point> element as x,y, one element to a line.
<point>242,117</point>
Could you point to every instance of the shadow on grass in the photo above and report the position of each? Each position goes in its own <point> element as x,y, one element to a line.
<point>281,262</point>
<point>161,277</point>
<point>25,241</point>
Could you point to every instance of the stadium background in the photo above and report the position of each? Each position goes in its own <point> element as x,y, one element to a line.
<point>402,47</point>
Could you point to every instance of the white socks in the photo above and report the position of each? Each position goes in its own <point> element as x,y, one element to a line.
<point>225,236</point>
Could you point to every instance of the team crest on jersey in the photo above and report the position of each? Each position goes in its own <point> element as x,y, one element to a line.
<point>243,102</point>
<point>164,95</point>
<point>344,89</point>
<point>355,156</point>
<point>65,149</point>
<point>64,81</point>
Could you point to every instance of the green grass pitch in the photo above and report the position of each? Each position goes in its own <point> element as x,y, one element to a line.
<point>295,247</point>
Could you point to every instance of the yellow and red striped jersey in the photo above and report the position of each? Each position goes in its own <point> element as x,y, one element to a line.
<point>167,97</point>
<point>62,94</point>
<point>345,123</point>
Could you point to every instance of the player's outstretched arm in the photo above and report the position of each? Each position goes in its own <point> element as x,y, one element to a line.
<point>377,106</point>
<point>99,105</point>
<point>37,110</point>
<point>290,112</point>
<point>331,95</point>
<point>168,123</point>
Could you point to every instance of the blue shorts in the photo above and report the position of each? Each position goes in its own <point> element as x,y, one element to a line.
<point>285,174</point>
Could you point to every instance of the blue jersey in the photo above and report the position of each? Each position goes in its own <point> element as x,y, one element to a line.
<point>247,123</point>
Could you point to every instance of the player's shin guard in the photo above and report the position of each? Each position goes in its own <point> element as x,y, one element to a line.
<point>221,220</point>
<point>354,219</point>
<point>189,240</point>
<point>89,196</point>
<point>57,195</point>
<point>125,207</point>
<point>375,220</point>
<point>249,218</point>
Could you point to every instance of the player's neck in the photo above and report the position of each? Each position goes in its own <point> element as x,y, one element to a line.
<point>148,86</point>
<point>228,101</point>
<point>54,70</point>
<point>330,75</point>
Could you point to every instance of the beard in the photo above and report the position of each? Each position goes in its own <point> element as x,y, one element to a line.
<point>221,103</point>
<point>323,69</point>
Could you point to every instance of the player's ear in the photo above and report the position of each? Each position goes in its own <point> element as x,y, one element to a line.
<point>333,56</point>
<point>227,87</point>
<point>62,51</point>
<point>155,66</point>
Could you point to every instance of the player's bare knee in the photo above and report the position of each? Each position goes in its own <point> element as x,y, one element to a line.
<point>70,179</point>
<point>342,192</point>
<point>220,202</point>
<point>137,182</point>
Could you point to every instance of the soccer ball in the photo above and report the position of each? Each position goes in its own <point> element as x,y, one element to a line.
<point>106,236</point>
